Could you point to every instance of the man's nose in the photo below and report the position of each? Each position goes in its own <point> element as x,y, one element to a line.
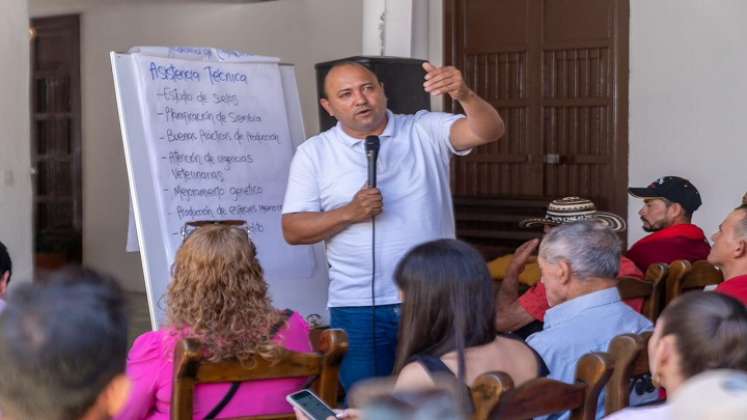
<point>360,98</point>
<point>642,211</point>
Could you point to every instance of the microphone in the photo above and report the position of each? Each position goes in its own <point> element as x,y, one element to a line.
<point>372,153</point>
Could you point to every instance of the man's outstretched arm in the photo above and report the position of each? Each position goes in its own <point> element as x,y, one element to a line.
<point>482,124</point>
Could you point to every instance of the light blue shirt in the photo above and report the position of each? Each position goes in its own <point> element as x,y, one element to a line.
<point>583,325</point>
<point>413,176</point>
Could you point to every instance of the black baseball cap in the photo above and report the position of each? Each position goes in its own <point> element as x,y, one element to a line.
<point>672,188</point>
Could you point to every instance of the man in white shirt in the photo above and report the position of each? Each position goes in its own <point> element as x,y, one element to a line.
<point>328,200</point>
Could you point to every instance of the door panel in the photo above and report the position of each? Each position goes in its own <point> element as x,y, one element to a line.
<point>56,141</point>
<point>556,70</point>
<point>495,60</point>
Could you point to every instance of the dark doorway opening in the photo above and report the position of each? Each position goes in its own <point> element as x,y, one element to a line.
<point>56,141</point>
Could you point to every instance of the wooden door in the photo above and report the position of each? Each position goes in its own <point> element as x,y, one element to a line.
<point>556,70</point>
<point>56,140</point>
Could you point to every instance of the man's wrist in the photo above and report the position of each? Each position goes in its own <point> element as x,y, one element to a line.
<point>467,96</point>
<point>511,278</point>
<point>345,215</point>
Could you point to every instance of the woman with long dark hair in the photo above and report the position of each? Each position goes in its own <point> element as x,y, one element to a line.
<point>447,323</point>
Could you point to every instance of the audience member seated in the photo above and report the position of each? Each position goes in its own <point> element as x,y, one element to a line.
<point>433,404</point>
<point>439,403</point>
<point>729,253</point>
<point>447,324</point>
<point>713,395</point>
<point>697,332</point>
<point>217,295</point>
<point>6,269</point>
<point>579,262</point>
<point>62,350</point>
<point>524,314</point>
<point>669,204</point>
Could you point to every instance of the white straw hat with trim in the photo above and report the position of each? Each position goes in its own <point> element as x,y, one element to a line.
<point>574,209</point>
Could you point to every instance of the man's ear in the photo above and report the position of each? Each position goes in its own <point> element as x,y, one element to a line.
<point>665,352</point>
<point>564,272</point>
<point>741,250</point>
<point>116,394</point>
<point>676,210</point>
<point>4,283</point>
<point>325,104</point>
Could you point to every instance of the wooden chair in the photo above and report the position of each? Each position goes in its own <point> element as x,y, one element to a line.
<point>685,276</point>
<point>651,289</point>
<point>486,391</point>
<point>542,396</point>
<point>630,358</point>
<point>190,369</point>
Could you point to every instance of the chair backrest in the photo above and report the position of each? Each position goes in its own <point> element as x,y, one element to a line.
<point>190,368</point>
<point>651,289</point>
<point>630,359</point>
<point>685,276</point>
<point>542,396</point>
<point>486,391</point>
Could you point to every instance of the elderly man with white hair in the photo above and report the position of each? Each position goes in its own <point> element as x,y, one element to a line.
<point>579,262</point>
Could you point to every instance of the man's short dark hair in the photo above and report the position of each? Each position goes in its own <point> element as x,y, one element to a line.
<point>61,344</point>
<point>5,263</point>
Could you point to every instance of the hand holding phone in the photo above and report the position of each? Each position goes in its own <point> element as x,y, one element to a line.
<point>310,405</point>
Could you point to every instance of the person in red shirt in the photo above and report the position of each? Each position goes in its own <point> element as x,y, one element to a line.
<point>669,204</point>
<point>524,314</point>
<point>729,253</point>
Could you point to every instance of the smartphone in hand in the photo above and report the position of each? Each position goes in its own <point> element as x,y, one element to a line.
<point>311,405</point>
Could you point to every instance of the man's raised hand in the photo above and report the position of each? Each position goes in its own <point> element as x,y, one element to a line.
<point>521,258</point>
<point>440,80</point>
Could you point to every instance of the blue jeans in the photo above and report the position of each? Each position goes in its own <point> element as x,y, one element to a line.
<point>367,357</point>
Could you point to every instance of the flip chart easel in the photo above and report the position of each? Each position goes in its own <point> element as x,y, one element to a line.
<point>209,134</point>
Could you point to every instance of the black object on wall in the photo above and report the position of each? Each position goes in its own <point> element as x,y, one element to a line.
<point>403,83</point>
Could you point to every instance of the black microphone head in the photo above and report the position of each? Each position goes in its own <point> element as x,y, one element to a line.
<point>372,145</point>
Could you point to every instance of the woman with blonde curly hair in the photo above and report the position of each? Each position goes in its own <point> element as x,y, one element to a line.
<point>219,296</point>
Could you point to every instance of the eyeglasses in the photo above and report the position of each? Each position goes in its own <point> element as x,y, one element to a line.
<point>189,227</point>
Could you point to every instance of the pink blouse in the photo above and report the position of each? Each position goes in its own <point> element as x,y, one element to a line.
<point>150,367</point>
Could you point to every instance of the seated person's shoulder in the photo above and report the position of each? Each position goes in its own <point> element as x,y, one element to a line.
<point>293,332</point>
<point>632,316</point>
<point>514,345</point>
<point>413,376</point>
<point>153,345</point>
<point>296,322</point>
<point>523,358</point>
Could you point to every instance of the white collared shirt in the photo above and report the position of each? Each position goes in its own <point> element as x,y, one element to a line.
<point>413,176</point>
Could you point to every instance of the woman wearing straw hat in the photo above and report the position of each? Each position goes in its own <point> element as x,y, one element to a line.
<point>524,314</point>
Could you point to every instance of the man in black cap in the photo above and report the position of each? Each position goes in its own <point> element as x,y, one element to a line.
<point>669,204</point>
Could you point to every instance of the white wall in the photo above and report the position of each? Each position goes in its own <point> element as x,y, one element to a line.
<point>15,151</point>
<point>303,32</point>
<point>405,28</point>
<point>688,84</point>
